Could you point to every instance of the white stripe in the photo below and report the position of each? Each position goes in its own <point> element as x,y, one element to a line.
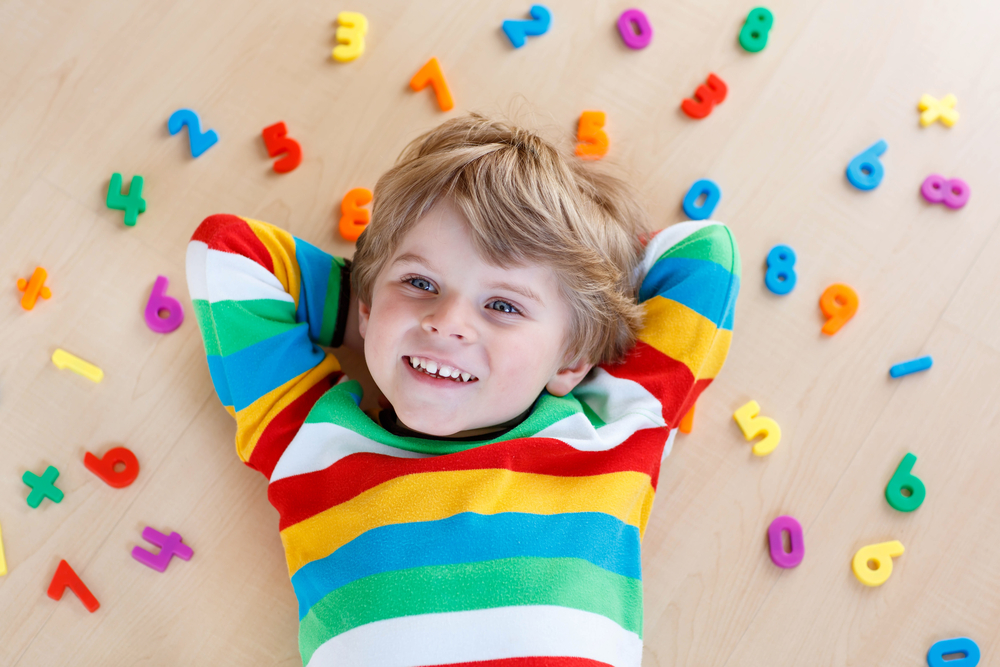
<point>613,397</point>
<point>669,446</point>
<point>577,432</point>
<point>483,634</point>
<point>237,278</point>
<point>319,445</point>
<point>665,239</point>
<point>195,266</point>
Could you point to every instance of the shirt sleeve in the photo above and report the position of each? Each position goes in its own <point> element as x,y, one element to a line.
<point>689,280</point>
<point>266,302</point>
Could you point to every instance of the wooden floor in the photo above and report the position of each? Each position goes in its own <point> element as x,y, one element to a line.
<point>86,89</point>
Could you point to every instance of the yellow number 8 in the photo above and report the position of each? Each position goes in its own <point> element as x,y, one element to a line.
<point>351,35</point>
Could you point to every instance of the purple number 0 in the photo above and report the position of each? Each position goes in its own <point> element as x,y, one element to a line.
<point>937,189</point>
<point>780,557</point>
<point>632,40</point>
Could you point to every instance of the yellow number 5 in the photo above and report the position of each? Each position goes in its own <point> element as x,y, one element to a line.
<point>752,426</point>
<point>351,35</point>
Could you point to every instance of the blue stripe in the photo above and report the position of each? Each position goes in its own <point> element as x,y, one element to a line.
<point>701,285</point>
<point>314,267</point>
<point>219,379</point>
<point>598,538</point>
<point>267,365</point>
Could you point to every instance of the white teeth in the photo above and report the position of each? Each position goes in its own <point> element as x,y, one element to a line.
<point>444,371</point>
<point>414,362</point>
<point>466,376</point>
<point>432,367</point>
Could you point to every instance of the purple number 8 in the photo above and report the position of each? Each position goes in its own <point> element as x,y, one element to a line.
<point>632,40</point>
<point>937,189</point>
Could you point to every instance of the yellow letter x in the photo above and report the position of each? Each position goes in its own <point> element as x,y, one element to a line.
<point>934,109</point>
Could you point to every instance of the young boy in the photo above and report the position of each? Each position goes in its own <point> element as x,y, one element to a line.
<point>537,359</point>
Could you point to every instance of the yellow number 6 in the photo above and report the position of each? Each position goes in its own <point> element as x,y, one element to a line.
<point>752,426</point>
<point>351,35</point>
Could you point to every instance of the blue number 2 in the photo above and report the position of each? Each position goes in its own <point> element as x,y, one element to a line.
<point>200,141</point>
<point>517,30</point>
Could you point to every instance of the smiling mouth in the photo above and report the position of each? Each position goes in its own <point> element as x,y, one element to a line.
<point>423,371</point>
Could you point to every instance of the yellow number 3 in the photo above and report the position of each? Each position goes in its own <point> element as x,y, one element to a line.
<point>752,426</point>
<point>351,35</point>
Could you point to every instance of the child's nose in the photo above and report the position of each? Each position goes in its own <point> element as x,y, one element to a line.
<point>451,316</point>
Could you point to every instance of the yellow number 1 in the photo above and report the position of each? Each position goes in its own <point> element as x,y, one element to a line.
<point>752,426</point>
<point>351,35</point>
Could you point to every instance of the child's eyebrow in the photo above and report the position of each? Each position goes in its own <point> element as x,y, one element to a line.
<point>523,290</point>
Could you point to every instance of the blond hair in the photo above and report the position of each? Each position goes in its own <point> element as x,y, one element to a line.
<point>525,204</point>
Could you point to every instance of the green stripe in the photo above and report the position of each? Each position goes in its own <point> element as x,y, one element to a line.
<point>203,314</point>
<point>332,305</point>
<point>565,582</point>
<point>245,323</point>
<point>337,407</point>
<point>594,418</point>
<point>714,243</point>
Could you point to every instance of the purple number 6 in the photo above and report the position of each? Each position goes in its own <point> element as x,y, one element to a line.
<point>937,189</point>
<point>632,40</point>
<point>780,557</point>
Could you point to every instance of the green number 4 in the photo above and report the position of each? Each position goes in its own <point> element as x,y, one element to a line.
<point>133,204</point>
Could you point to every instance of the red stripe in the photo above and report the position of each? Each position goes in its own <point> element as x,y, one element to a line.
<point>667,379</point>
<point>546,661</point>
<point>229,233</point>
<point>283,427</point>
<point>302,496</point>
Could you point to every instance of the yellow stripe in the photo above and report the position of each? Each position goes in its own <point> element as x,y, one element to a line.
<point>684,335</point>
<point>431,496</point>
<point>281,245</point>
<point>253,419</point>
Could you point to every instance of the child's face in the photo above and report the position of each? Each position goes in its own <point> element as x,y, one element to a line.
<point>449,307</point>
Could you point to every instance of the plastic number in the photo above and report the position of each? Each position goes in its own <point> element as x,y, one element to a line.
<point>752,426</point>
<point>517,31</point>
<point>277,141</point>
<point>639,36</point>
<point>707,95</point>
<point>133,204</point>
<point>65,578</point>
<point>431,74</point>
<point>904,480</point>
<point>353,218</point>
<point>881,556</point>
<point>952,193</point>
<point>781,557</point>
<point>968,648</point>
<point>838,303</point>
<point>198,140</point>
<point>865,171</point>
<point>159,301</point>
<point>104,467</point>
<point>351,35</point>
<point>593,139</point>
<point>753,36</point>
<point>780,277</point>
<point>712,195</point>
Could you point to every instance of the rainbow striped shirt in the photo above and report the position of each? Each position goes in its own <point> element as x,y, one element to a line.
<point>523,550</point>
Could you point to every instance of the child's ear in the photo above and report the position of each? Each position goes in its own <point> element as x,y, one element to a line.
<point>567,378</point>
<point>364,312</point>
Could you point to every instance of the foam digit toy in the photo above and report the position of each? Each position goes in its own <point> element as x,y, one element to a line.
<point>839,303</point>
<point>968,648</point>
<point>431,74</point>
<point>865,171</point>
<point>198,140</point>
<point>353,218</point>
<point>635,29</point>
<point>911,366</point>
<point>952,193</point>
<point>277,142</point>
<point>42,487</point>
<point>65,578</point>
<point>104,467</point>
<point>591,135</point>
<point>687,422</point>
<point>33,288</point>
<point>170,546</point>
<point>706,96</point>
<point>753,36</point>
<point>933,109</point>
<point>63,359</point>
<point>351,35</point>
<point>518,31</point>
<point>881,556</point>
<point>752,426</point>
<point>780,277</point>
<point>133,204</point>
<point>779,556</point>
<point>712,195</point>
<point>3,558</point>
<point>904,480</point>
<point>160,302</point>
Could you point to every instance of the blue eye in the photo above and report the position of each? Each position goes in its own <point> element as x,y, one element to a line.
<point>417,279</point>
<point>512,311</point>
